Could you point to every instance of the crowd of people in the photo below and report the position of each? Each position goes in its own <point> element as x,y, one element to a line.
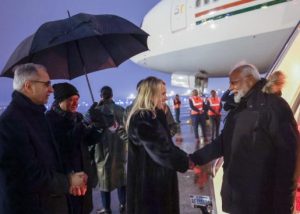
<point>50,160</point>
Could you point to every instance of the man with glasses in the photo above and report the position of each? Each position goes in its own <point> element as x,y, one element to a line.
<point>31,178</point>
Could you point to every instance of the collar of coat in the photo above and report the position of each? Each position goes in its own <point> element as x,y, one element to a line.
<point>25,102</point>
<point>103,102</point>
<point>72,116</point>
<point>257,88</point>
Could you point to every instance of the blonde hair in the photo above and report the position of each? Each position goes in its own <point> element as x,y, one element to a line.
<point>277,78</point>
<point>149,90</point>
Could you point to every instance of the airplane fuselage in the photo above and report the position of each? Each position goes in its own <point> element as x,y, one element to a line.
<point>213,35</point>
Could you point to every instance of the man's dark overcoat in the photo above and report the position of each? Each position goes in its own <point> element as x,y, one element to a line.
<point>259,143</point>
<point>73,138</point>
<point>153,162</point>
<point>31,179</point>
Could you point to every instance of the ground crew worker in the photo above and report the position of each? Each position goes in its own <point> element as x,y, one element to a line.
<point>197,114</point>
<point>177,105</point>
<point>214,113</point>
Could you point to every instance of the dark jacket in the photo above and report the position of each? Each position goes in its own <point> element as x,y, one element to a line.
<point>73,138</point>
<point>31,174</point>
<point>173,126</point>
<point>110,155</point>
<point>228,99</point>
<point>153,162</point>
<point>259,143</point>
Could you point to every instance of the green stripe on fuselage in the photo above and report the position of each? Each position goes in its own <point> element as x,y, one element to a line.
<point>244,10</point>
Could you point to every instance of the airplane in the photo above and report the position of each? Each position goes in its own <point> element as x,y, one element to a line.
<point>206,38</point>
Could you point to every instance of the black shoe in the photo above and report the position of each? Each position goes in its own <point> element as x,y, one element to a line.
<point>104,211</point>
<point>122,208</point>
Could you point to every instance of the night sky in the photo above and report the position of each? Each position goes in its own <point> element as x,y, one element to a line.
<point>19,19</point>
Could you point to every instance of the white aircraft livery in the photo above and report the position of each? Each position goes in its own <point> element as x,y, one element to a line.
<point>208,37</point>
<point>211,36</point>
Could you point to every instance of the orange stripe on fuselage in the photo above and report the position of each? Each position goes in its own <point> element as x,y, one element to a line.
<point>225,6</point>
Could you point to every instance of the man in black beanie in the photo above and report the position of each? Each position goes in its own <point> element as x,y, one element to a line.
<point>73,137</point>
<point>63,91</point>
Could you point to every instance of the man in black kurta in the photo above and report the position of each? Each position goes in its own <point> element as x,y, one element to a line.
<point>259,143</point>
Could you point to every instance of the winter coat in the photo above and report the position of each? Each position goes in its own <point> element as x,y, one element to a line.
<point>110,155</point>
<point>153,162</point>
<point>31,173</point>
<point>259,143</point>
<point>73,138</point>
<point>173,126</point>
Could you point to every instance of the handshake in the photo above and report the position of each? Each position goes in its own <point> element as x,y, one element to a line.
<point>191,164</point>
<point>78,183</point>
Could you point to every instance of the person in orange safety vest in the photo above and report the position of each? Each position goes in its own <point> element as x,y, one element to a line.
<point>214,113</point>
<point>198,114</point>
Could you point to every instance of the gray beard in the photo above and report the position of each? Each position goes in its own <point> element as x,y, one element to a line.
<point>238,96</point>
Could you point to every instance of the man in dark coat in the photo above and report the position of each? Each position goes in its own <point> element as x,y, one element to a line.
<point>110,154</point>
<point>31,178</point>
<point>73,137</point>
<point>259,143</point>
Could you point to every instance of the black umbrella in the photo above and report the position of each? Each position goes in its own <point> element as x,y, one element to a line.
<point>79,45</point>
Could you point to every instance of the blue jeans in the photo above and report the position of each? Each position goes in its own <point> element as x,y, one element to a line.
<point>177,115</point>
<point>105,196</point>
<point>215,125</point>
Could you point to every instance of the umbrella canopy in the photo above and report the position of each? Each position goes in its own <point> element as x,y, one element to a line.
<point>80,44</point>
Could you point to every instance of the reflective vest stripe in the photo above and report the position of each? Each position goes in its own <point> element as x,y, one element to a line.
<point>215,105</point>
<point>197,103</point>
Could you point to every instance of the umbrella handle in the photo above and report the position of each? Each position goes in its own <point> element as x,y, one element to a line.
<point>89,85</point>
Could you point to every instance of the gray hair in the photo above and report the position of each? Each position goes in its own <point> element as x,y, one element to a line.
<point>246,69</point>
<point>25,72</point>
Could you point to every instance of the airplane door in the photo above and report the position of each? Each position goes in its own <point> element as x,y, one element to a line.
<point>178,15</point>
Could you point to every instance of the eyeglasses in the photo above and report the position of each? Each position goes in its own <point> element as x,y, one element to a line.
<point>45,83</point>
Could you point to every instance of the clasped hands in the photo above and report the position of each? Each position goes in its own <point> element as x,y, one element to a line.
<point>78,183</point>
<point>191,164</point>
